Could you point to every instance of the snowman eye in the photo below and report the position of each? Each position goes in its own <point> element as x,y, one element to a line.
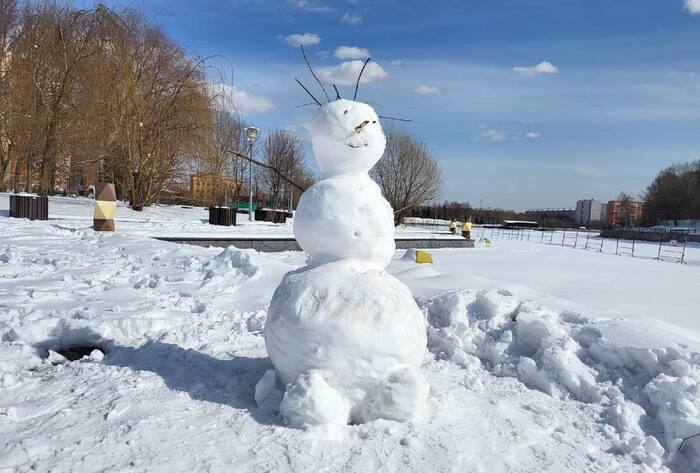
<point>375,121</point>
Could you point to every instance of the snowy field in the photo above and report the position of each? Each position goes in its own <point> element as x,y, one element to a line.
<point>171,220</point>
<point>541,358</point>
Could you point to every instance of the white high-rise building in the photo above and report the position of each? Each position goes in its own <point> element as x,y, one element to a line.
<point>590,210</point>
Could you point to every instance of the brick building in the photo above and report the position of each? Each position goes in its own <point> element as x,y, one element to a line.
<point>632,217</point>
<point>212,188</point>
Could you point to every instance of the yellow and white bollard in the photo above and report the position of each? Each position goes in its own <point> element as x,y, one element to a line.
<point>423,257</point>
<point>467,229</point>
<point>105,207</point>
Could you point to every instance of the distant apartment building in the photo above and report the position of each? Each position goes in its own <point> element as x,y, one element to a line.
<point>212,188</point>
<point>619,215</point>
<point>589,211</point>
<point>563,214</point>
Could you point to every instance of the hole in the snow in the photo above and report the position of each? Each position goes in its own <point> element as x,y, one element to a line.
<point>356,234</point>
<point>78,352</point>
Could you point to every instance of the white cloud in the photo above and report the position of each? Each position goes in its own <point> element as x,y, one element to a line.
<point>305,39</point>
<point>351,52</point>
<point>495,136</point>
<point>240,101</point>
<point>499,136</point>
<point>396,62</point>
<point>426,90</point>
<point>351,19</point>
<point>693,6</point>
<point>545,67</point>
<point>346,73</point>
<point>313,7</point>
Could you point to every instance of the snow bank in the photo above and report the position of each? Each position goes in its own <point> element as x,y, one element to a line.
<point>651,394</point>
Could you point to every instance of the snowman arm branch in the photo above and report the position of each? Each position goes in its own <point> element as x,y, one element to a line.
<point>357,84</point>
<point>313,73</point>
<point>267,166</point>
<point>307,91</point>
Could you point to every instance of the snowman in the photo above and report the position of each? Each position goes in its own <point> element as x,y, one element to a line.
<point>345,337</point>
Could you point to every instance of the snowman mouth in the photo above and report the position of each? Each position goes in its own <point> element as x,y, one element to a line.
<point>357,146</point>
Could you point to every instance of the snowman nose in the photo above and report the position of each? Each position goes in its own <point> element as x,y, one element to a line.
<point>359,127</point>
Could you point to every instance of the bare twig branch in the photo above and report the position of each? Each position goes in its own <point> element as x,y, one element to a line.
<point>307,91</point>
<point>304,105</point>
<point>337,94</point>
<point>394,118</point>
<point>686,439</point>
<point>357,84</point>
<point>313,73</point>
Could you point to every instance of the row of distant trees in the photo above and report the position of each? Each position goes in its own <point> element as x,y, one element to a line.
<point>674,194</point>
<point>448,210</point>
<point>110,90</point>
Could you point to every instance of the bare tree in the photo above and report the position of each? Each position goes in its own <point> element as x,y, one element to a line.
<point>407,174</point>
<point>158,107</point>
<point>9,19</point>
<point>284,155</point>
<point>53,43</point>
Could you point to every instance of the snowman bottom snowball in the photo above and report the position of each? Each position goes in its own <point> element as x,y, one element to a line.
<point>347,343</point>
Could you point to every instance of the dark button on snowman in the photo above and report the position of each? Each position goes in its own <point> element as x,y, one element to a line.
<point>345,337</point>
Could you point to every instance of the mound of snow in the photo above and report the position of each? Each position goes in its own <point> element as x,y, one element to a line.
<point>646,388</point>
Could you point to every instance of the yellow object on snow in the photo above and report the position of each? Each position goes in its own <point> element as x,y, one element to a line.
<point>467,227</point>
<point>105,209</point>
<point>487,241</point>
<point>423,257</point>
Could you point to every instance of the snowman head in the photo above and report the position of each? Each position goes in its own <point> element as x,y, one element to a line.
<point>346,137</point>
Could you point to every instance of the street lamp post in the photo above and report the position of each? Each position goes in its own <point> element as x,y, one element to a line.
<point>251,134</point>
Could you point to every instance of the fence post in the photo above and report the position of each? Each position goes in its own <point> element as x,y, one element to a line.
<point>658,254</point>
<point>529,232</point>
<point>588,235</point>
<point>542,236</point>
<point>551,236</point>
<point>576,239</point>
<point>685,242</point>
<point>617,245</point>
<point>633,240</point>
<point>563,235</point>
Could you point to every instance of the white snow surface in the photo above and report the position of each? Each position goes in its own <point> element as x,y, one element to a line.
<point>541,358</point>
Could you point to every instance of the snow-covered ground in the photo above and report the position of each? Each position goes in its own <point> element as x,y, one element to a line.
<point>173,221</point>
<point>540,357</point>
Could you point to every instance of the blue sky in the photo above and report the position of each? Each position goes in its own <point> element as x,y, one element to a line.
<point>524,103</point>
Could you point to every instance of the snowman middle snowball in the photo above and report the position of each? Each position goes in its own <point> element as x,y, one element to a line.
<point>345,337</point>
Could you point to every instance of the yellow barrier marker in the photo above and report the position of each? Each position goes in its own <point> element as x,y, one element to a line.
<point>423,257</point>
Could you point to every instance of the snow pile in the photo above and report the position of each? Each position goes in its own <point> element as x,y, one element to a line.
<point>126,292</point>
<point>346,338</point>
<point>650,395</point>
